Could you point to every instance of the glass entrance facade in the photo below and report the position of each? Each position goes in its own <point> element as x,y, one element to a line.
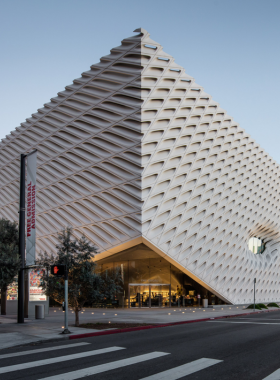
<point>151,281</point>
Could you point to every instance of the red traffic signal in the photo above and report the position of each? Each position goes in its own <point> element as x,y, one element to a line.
<point>58,270</point>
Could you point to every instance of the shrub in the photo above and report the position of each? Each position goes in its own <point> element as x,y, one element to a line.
<point>9,259</point>
<point>272,304</point>
<point>257,307</point>
<point>262,306</point>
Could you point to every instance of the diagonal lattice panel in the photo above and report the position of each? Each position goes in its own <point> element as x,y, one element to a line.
<point>207,186</point>
<point>88,155</point>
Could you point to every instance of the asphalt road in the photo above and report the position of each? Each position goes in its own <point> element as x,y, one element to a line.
<point>234,348</point>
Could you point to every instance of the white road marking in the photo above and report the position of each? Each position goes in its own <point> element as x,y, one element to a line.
<point>251,323</point>
<point>273,376</point>
<point>265,319</point>
<point>105,367</point>
<point>59,359</point>
<point>183,370</point>
<point>42,350</point>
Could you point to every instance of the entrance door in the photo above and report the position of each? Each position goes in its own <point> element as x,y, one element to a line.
<point>145,295</point>
<point>139,295</point>
<point>149,295</point>
<point>160,295</point>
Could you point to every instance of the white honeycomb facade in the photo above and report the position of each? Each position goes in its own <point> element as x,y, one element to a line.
<point>135,151</point>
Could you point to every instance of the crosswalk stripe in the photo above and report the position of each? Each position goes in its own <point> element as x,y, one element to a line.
<point>105,367</point>
<point>273,376</point>
<point>183,370</point>
<point>38,363</point>
<point>42,350</point>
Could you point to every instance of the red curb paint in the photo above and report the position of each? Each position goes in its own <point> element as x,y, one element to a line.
<point>129,329</point>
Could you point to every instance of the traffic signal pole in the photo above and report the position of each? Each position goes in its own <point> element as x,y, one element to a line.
<point>59,270</point>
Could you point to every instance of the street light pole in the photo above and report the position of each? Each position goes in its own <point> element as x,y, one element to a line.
<point>66,330</point>
<point>20,316</point>
<point>254,293</point>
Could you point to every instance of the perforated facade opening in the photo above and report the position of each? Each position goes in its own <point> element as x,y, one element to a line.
<point>256,245</point>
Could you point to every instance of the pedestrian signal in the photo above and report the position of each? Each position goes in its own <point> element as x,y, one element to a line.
<point>58,270</point>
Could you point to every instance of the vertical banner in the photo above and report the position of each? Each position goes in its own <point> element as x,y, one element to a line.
<point>30,209</point>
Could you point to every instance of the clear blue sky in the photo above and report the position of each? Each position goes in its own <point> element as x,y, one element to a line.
<point>231,48</point>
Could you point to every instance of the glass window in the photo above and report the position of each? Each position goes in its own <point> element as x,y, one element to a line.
<point>159,271</point>
<point>139,271</point>
<point>256,245</point>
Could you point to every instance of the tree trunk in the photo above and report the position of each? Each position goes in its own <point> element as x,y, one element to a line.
<point>77,322</point>
<point>3,301</point>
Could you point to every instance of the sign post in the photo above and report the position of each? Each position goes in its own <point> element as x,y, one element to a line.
<point>60,270</point>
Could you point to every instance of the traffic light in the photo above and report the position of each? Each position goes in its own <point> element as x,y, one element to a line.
<point>58,270</point>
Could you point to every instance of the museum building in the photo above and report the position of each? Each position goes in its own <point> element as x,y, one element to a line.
<point>137,157</point>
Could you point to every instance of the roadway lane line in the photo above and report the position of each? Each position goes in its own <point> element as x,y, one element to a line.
<point>251,323</point>
<point>265,319</point>
<point>105,367</point>
<point>273,376</point>
<point>59,359</point>
<point>183,370</point>
<point>42,350</point>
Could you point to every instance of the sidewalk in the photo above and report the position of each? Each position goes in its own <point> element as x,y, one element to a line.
<point>48,329</point>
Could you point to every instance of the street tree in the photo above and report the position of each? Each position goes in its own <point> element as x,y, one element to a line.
<point>85,284</point>
<point>9,257</point>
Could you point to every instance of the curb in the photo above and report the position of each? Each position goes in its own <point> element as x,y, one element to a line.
<point>36,342</point>
<point>130,329</point>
